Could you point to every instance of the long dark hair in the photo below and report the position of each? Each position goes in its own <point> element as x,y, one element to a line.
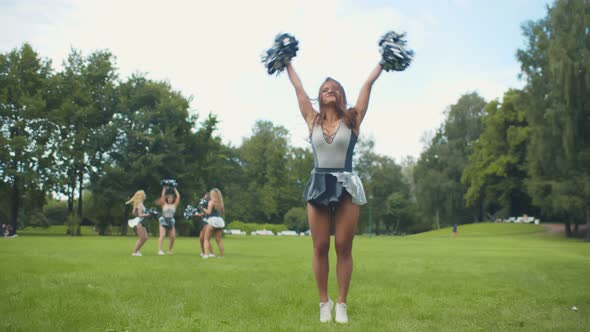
<point>348,115</point>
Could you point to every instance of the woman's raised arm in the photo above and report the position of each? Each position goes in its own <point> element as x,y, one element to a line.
<point>362,102</point>
<point>177,197</point>
<point>303,100</point>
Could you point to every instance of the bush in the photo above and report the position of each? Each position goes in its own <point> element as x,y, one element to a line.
<point>73,225</point>
<point>296,219</point>
<point>185,228</point>
<point>37,219</point>
<point>250,227</point>
<point>56,212</point>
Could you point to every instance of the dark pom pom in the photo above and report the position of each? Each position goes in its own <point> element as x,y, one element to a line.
<point>277,57</point>
<point>153,212</point>
<point>190,211</point>
<point>393,50</point>
<point>203,203</point>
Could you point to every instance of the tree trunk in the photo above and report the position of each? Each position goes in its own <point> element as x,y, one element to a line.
<point>568,230</point>
<point>80,183</point>
<point>437,220</point>
<point>15,203</point>
<point>71,200</point>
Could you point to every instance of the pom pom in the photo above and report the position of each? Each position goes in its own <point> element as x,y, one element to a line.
<point>393,50</point>
<point>190,211</point>
<point>203,203</point>
<point>152,212</point>
<point>277,57</point>
<point>168,183</point>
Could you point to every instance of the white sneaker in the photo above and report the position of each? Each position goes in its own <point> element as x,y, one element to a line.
<point>326,311</point>
<point>161,253</point>
<point>211,255</point>
<point>205,256</point>
<point>169,252</point>
<point>201,254</point>
<point>136,254</point>
<point>341,316</point>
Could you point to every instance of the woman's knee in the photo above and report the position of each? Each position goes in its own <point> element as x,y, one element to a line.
<point>343,248</point>
<point>321,247</point>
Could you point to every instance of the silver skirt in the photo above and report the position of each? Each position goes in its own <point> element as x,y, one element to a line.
<point>216,222</point>
<point>327,188</point>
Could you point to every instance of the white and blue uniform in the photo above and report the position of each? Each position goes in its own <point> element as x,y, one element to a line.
<point>214,219</point>
<point>167,218</point>
<point>332,176</point>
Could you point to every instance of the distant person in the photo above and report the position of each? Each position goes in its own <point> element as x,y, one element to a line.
<point>455,232</point>
<point>215,223</point>
<point>202,225</point>
<point>141,229</point>
<point>11,232</point>
<point>3,230</point>
<point>167,221</point>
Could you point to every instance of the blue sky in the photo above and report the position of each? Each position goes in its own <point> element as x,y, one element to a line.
<point>210,51</point>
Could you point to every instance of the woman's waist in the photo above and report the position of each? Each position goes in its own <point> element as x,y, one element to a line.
<point>331,169</point>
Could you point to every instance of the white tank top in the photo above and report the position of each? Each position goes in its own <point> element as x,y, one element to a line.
<point>168,210</point>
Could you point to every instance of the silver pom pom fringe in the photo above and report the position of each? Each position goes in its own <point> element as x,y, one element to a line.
<point>277,57</point>
<point>395,56</point>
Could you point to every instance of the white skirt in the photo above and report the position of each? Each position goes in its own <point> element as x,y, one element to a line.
<point>216,222</point>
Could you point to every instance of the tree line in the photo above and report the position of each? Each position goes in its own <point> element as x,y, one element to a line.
<point>87,136</point>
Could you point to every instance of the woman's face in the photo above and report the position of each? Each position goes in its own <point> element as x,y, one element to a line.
<point>330,93</point>
<point>169,199</point>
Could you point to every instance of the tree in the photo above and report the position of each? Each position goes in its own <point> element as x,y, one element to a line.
<point>556,66</point>
<point>296,219</point>
<point>383,182</point>
<point>438,171</point>
<point>496,170</point>
<point>264,158</point>
<point>25,133</point>
<point>86,93</point>
<point>155,139</point>
<point>432,185</point>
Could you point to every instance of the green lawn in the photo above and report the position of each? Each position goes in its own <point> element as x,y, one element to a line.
<point>493,277</point>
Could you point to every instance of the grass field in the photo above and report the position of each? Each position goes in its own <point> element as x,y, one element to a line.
<point>493,277</point>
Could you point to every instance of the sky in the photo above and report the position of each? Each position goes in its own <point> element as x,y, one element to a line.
<point>210,51</point>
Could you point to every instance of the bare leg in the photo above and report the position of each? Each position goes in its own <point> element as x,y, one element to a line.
<point>202,239</point>
<point>319,224</point>
<point>218,233</point>
<point>162,236</point>
<point>347,216</point>
<point>172,236</point>
<point>141,238</point>
<point>207,244</point>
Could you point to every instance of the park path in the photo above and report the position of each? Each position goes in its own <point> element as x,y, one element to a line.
<point>560,228</point>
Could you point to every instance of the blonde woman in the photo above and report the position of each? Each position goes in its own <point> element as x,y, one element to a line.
<point>202,227</point>
<point>215,223</point>
<point>139,211</point>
